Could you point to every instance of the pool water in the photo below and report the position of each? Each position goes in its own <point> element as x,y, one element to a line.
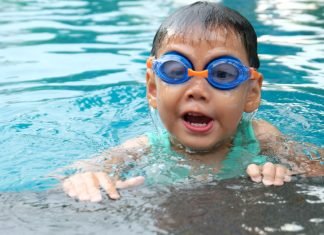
<point>72,85</point>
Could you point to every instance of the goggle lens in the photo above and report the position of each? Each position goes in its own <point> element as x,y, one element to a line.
<point>174,69</point>
<point>223,73</point>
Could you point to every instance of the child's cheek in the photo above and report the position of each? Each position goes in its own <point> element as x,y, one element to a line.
<point>231,108</point>
<point>233,99</point>
<point>167,95</point>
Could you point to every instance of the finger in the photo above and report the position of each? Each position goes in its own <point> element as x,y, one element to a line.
<point>132,182</point>
<point>268,172</point>
<point>287,177</point>
<point>254,172</point>
<point>80,187</point>
<point>92,185</point>
<point>280,175</point>
<point>107,184</point>
<point>69,188</point>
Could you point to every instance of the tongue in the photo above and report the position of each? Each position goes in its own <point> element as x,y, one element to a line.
<point>197,119</point>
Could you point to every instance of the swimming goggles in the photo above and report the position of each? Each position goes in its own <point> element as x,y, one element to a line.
<point>224,72</point>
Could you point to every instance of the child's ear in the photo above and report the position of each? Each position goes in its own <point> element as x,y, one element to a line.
<point>254,95</point>
<point>151,88</point>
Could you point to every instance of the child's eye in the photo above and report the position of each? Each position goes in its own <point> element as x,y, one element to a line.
<point>225,73</point>
<point>221,74</point>
<point>174,69</point>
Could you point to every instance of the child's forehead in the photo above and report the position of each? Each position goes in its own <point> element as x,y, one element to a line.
<point>196,36</point>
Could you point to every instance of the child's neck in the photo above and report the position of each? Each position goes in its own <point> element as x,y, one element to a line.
<point>211,156</point>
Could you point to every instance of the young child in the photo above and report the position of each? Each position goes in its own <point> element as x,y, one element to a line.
<point>201,77</point>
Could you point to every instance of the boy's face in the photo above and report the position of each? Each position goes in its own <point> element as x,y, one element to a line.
<point>196,114</point>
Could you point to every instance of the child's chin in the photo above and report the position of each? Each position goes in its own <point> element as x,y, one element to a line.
<point>198,148</point>
<point>194,145</point>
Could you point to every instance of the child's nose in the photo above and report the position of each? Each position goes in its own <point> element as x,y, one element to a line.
<point>198,89</point>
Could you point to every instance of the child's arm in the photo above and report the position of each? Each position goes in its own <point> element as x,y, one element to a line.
<point>86,186</point>
<point>291,153</point>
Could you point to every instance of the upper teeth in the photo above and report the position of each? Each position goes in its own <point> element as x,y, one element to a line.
<point>195,114</point>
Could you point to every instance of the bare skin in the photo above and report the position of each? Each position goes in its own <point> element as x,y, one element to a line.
<point>273,143</point>
<point>225,108</point>
<point>86,186</point>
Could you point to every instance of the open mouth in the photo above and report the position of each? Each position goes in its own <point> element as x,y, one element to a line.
<point>197,122</point>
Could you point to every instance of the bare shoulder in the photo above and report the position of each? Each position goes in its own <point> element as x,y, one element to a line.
<point>130,149</point>
<point>290,152</point>
<point>264,131</point>
<point>138,142</point>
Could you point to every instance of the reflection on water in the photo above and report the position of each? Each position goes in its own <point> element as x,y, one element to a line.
<point>228,207</point>
<point>297,25</point>
<point>72,84</point>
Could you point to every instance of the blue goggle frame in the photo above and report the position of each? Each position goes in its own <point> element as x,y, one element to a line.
<point>243,72</point>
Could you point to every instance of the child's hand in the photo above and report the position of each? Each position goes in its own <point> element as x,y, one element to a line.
<point>269,174</point>
<point>86,186</point>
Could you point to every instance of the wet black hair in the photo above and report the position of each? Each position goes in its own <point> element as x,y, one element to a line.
<point>207,16</point>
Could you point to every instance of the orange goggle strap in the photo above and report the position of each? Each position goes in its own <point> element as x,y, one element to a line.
<point>255,75</point>
<point>149,62</point>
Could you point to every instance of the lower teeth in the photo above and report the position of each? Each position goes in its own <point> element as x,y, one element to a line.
<point>198,124</point>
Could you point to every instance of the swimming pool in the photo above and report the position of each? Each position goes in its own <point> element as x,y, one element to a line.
<point>72,84</point>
